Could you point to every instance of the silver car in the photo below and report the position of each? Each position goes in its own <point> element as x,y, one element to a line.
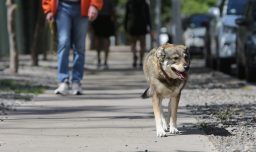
<point>195,34</point>
<point>226,33</point>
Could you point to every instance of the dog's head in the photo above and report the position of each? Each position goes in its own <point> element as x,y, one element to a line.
<point>175,60</point>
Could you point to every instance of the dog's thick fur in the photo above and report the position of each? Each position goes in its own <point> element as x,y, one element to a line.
<point>166,70</point>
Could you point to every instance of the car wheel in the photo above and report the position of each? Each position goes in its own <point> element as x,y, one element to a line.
<point>250,74</point>
<point>240,72</point>
<point>211,63</point>
<point>224,66</point>
<point>214,64</point>
<point>208,62</point>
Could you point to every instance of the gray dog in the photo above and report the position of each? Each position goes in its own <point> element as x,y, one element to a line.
<point>166,70</point>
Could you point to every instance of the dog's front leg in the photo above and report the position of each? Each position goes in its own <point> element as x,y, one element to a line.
<point>172,114</point>
<point>156,100</point>
<point>163,119</point>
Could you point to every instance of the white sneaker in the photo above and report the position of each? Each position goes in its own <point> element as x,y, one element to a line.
<point>62,89</point>
<point>76,89</point>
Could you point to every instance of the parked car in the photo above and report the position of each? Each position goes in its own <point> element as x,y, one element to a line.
<point>246,43</point>
<point>224,54</point>
<point>196,33</point>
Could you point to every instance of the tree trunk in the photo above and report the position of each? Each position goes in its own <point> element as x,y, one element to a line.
<point>14,54</point>
<point>177,35</point>
<point>158,13</point>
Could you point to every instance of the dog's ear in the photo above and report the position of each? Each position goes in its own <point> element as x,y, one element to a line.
<point>187,51</point>
<point>160,54</point>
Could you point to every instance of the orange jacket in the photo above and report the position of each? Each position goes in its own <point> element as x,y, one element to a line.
<point>51,6</point>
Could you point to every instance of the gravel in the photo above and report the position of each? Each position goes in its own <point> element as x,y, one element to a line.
<point>225,108</point>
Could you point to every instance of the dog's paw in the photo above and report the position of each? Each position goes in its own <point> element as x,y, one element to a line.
<point>174,130</point>
<point>160,133</point>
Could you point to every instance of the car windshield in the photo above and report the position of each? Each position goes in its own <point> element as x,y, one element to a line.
<point>199,21</point>
<point>236,7</point>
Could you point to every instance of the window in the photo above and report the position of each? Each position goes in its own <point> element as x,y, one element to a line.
<point>236,7</point>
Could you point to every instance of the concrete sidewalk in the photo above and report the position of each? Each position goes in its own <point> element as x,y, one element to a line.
<point>109,117</point>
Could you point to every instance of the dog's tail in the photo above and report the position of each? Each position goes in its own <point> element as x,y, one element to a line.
<point>147,93</point>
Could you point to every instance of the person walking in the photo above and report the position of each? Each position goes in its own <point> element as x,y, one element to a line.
<point>106,17</point>
<point>72,17</point>
<point>137,24</point>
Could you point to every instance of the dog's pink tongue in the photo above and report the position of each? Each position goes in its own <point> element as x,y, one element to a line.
<point>182,75</point>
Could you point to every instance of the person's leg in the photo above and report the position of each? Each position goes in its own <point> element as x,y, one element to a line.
<point>133,41</point>
<point>106,49</point>
<point>142,40</point>
<point>63,21</point>
<point>98,49</point>
<point>79,31</point>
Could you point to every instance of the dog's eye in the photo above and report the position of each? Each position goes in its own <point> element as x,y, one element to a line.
<point>175,58</point>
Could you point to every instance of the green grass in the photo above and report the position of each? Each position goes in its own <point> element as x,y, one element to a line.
<point>20,87</point>
<point>225,114</point>
<point>203,125</point>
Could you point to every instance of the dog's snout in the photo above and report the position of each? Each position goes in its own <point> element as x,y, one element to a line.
<point>186,67</point>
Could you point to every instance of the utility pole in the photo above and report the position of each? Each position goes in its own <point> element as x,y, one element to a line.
<point>158,19</point>
<point>176,20</point>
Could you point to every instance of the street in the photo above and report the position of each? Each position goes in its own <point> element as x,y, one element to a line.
<point>111,116</point>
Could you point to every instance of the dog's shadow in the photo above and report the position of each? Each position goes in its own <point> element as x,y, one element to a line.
<point>191,129</point>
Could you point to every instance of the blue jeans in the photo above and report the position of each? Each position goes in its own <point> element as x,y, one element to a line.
<point>71,34</point>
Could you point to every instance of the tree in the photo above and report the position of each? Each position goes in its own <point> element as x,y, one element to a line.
<point>196,6</point>
<point>14,54</point>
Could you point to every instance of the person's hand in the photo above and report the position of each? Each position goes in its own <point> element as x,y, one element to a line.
<point>92,13</point>
<point>49,17</point>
